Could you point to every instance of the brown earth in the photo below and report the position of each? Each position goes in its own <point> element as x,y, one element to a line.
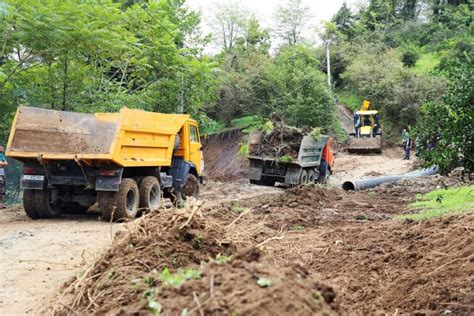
<point>127,278</point>
<point>347,240</point>
<point>223,160</point>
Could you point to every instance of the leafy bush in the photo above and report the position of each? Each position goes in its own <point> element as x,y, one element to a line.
<point>447,125</point>
<point>410,56</point>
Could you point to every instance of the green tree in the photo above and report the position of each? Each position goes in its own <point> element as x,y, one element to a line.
<point>448,125</point>
<point>299,90</point>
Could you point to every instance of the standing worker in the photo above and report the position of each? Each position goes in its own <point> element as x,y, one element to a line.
<point>406,144</point>
<point>3,182</point>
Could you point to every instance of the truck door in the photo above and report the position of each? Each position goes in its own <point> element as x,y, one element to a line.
<point>195,153</point>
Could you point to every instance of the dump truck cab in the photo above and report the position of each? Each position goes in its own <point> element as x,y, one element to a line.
<point>125,161</point>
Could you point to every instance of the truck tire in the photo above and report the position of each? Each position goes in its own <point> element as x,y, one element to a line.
<point>121,205</point>
<point>311,176</point>
<point>37,205</point>
<point>150,194</point>
<point>191,188</point>
<point>303,180</point>
<point>29,204</point>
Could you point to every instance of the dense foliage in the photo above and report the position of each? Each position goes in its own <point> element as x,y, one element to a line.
<point>413,60</point>
<point>100,56</point>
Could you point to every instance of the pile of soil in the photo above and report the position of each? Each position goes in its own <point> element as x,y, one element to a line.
<point>233,288</point>
<point>282,141</point>
<point>349,240</point>
<point>127,279</point>
<point>157,241</point>
<point>405,267</point>
<point>222,158</point>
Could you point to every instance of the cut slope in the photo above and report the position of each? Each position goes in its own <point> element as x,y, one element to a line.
<point>222,157</point>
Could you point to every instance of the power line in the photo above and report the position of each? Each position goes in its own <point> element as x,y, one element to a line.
<point>151,16</point>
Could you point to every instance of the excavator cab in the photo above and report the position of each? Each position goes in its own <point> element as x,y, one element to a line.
<point>367,134</point>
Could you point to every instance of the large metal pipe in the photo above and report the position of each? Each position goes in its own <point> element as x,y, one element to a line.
<point>368,183</point>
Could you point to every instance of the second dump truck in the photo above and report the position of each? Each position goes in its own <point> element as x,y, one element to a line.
<point>124,161</point>
<point>314,163</point>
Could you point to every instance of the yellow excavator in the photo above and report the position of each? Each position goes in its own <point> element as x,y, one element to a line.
<point>367,134</point>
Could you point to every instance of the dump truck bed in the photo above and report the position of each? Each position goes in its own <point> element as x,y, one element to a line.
<point>131,138</point>
<point>309,155</point>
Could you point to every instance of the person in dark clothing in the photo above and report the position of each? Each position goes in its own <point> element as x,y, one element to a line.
<point>406,144</point>
<point>356,119</point>
<point>3,182</point>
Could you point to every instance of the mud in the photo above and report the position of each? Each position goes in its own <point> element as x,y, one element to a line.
<point>223,160</point>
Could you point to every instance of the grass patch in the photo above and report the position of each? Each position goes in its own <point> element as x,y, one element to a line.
<point>248,123</point>
<point>441,202</point>
<point>426,63</point>
<point>349,99</point>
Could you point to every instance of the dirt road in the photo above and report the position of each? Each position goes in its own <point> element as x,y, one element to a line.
<point>39,256</point>
<point>349,166</point>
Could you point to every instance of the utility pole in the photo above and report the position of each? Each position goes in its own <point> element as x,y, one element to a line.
<point>328,59</point>
<point>181,97</point>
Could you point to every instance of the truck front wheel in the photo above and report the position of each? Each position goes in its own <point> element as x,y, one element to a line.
<point>121,205</point>
<point>191,188</point>
<point>150,194</point>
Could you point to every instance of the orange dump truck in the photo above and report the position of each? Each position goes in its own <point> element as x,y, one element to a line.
<point>125,161</point>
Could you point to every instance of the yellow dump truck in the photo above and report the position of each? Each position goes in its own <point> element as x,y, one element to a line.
<point>125,161</point>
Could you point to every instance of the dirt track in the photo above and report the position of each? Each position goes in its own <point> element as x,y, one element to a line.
<point>39,256</point>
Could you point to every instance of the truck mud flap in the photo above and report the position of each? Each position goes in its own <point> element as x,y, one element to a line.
<point>293,175</point>
<point>179,171</point>
<point>255,170</point>
<point>109,180</point>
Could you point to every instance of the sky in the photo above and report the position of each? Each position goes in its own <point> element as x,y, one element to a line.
<point>321,10</point>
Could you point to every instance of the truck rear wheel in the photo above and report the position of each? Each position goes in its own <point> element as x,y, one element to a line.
<point>150,194</point>
<point>120,205</point>
<point>311,176</point>
<point>29,204</point>
<point>303,180</point>
<point>37,204</point>
<point>191,188</point>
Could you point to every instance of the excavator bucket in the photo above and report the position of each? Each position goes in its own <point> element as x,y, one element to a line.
<point>364,145</point>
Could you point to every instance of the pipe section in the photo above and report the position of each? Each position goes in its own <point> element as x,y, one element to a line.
<point>368,183</point>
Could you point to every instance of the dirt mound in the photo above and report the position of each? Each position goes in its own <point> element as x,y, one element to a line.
<point>180,260</point>
<point>246,288</point>
<point>222,158</point>
<point>423,267</point>
<point>157,241</point>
